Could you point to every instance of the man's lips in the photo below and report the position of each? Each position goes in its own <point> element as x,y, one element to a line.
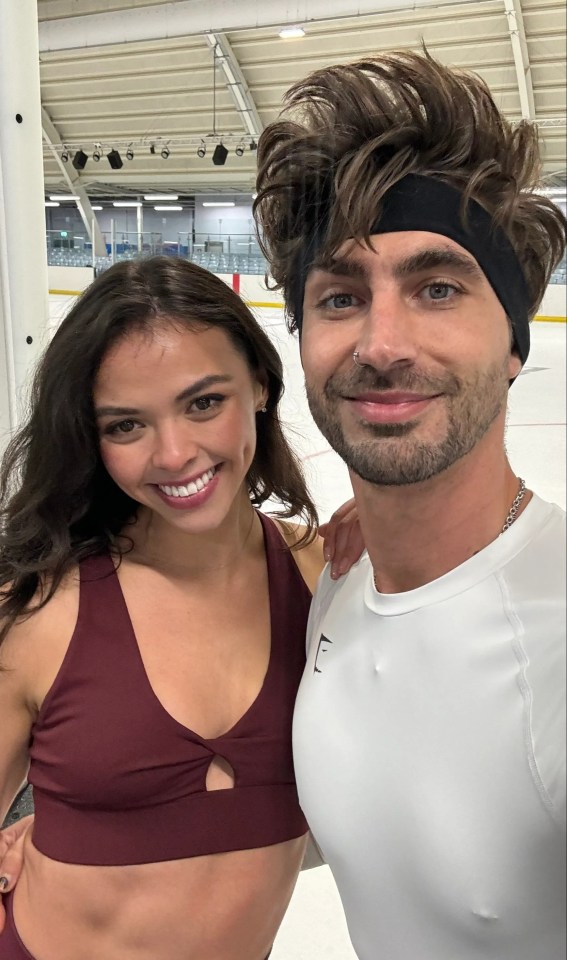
<point>392,396</point>
<point>391,406</point>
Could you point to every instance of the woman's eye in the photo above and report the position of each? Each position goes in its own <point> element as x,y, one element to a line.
<point>205,404</point>
<point>124,426</point>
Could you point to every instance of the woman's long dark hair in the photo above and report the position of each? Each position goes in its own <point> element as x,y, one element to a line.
<point>59,505</point>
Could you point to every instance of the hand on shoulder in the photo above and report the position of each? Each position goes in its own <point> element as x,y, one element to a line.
<point>339,542</point>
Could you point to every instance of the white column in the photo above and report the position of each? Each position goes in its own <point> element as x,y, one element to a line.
<point>23,262</point>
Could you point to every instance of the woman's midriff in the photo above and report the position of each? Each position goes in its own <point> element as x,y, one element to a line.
<point>227,906</point>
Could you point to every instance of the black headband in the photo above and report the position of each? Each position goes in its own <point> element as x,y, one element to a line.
<point>425,204</point>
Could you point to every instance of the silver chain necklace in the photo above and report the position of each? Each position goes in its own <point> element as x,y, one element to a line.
<point>515,506</point>
<point>512,514</point>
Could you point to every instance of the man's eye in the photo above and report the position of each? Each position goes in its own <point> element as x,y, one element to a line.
<point>340,301</point>
<point>440,291</point>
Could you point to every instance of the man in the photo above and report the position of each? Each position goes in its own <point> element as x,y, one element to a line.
<point>399,216</point>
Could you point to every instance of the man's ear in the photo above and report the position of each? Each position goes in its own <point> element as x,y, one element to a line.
<point>514,365</point>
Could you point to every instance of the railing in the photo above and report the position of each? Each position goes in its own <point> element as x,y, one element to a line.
<point>559,275</point>
<point>220,253</point>
<point>226,253</point>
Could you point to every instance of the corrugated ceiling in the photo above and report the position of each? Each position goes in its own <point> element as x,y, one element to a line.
<point>161,91</point>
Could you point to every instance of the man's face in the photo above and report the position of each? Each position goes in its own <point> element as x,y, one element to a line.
<point>435,347</point>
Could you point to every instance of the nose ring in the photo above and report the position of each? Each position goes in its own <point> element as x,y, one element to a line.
<point>355,357</point>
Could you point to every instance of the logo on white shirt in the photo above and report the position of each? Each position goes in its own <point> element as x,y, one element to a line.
<point>322,648</point>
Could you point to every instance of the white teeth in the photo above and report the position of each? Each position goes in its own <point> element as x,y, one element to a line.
<point>190,489</point>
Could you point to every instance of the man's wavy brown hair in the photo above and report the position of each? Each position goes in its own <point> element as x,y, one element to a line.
<point>349,132</point>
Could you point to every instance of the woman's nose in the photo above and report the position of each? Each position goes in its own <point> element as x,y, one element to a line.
<point>175,447</point>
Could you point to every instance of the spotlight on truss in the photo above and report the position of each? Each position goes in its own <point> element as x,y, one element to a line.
<point>201,150</point>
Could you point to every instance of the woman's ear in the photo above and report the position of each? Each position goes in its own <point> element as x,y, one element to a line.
<point>262,394</point>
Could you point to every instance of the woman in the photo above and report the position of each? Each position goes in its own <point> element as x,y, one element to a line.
<point>153,629</point>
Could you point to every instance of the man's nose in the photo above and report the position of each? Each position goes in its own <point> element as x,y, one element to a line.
<point>390,333</point>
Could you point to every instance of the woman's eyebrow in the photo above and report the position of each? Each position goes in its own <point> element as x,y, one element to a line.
<point>204,383</point>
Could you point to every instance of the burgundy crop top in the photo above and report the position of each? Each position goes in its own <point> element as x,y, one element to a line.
<point>117,780</point>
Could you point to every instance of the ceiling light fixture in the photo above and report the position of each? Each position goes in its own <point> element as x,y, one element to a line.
<point>96,208</point>
<point>97,152</point>
<point>63,196</point>
<point>239,150</point>
<point>292,33</point>
<point>169,206</point>
<point>161,196</point>
<point>219,203</point>
<point>129,153</point>
<point>202,150</point>
<point>127,203</point>
<point>51,203</point>
<point>65,155</point>
<point>165,152</point>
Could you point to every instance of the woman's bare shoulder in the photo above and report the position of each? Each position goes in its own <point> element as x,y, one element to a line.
<point>308,555</point>
<point>36,643</point>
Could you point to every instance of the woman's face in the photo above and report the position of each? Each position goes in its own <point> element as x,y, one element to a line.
<point>176,414</point>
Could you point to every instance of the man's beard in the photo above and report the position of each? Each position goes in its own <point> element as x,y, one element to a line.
<point>388,454</point>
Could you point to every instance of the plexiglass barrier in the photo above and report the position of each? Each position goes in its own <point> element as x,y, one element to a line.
<point>220,253</point>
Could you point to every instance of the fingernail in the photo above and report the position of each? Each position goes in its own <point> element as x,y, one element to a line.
<point>327,554</point>
<point>4,882</point>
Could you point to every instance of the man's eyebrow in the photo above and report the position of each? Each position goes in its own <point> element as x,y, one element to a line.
<point>194,390</point>
<point>431,259</point>
<point>435,257</point>
<point>343,267</point>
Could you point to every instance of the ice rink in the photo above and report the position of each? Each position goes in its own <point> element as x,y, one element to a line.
<point>314,928</point>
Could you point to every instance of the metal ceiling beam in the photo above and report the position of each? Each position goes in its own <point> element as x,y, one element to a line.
<point>72,179</point>
<point>184,182</point>
<point>182,18</point>
<point>515,17</point>
<point>239,90</point>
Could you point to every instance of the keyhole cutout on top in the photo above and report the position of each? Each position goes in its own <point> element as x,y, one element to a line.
<point>220,775</point>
